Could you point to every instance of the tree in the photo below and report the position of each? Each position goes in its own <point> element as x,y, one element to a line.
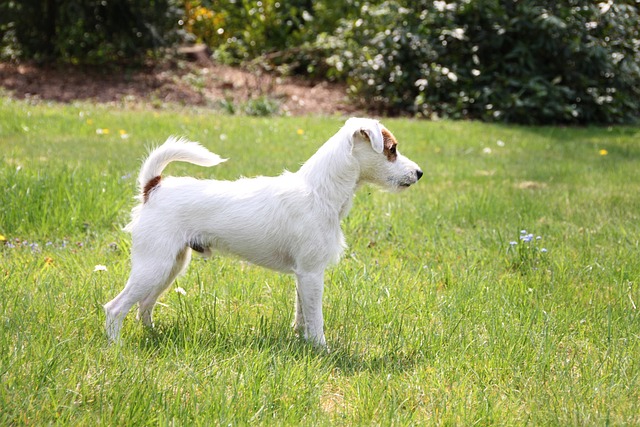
<point>90,31</point>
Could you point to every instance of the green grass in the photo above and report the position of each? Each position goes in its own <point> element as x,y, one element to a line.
<point>433,317</point>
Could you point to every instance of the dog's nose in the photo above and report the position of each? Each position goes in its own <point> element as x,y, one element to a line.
<point>419,173</point>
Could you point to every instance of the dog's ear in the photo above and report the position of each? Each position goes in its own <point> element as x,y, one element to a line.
<point>369,129</point>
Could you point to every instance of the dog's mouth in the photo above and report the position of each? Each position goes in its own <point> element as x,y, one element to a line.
<point>400,183</point>
<point>400,186</point>
<point>409,181</point>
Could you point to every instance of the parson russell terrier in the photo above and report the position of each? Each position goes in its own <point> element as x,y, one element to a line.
<point>289,223</point>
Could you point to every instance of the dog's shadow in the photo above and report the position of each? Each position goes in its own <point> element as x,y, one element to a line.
<point>280,340</point>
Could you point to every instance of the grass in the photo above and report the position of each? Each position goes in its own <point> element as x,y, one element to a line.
<point>433,316</point>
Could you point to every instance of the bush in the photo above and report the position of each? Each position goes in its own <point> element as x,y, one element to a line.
<point>547,61</point>
<point>248,29</point>
<point>91,31</point>
<point>278,33</point>
<point>524,62</point>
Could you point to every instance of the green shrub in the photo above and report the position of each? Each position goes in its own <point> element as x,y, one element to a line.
<point>525,62</point>
<point>547,61</point>
<point>279,33</point>
<point>91,31</point>
<point>255,28</point>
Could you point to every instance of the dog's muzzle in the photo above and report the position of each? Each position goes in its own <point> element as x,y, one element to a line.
<point>410,183</point>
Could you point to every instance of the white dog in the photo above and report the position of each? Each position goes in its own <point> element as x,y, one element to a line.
<point>289,223</point>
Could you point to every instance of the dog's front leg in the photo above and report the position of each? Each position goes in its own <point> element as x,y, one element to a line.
<point>309,306</point>
<point>298,320</point>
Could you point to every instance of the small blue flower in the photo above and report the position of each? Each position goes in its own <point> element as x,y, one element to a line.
<point>526,238</point>
<point>544,250</point>
<point>513,243</point>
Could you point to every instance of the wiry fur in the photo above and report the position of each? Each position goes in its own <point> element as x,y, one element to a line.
<point>289,223</point>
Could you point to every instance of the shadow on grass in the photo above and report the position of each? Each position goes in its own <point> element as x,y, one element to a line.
<point>277,340</point>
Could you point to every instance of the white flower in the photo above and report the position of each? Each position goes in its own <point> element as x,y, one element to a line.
<point>180,290</point>
<point>100,267</point>
<point>458,33</point>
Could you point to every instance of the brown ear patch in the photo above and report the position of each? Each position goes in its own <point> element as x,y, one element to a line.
<point>149,187</point>
<point>389,145</point>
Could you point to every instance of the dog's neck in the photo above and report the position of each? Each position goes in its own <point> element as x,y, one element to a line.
<point>333,173</point>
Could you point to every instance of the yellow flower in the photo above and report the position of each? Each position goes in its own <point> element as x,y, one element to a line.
<point>603,152</point>
<point>2,238</point>
<point>300,131</point>
<point>102,131</point>
<point>89,121</point>
<point>48,260</point>
<point>123,134</point>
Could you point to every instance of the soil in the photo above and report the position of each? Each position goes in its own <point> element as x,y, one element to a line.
<point>196,83</point>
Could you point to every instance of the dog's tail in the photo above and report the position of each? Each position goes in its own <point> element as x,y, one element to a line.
<point>173,150</point>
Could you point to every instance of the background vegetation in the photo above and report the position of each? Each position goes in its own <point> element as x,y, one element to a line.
<point>547,62</point>
<point>446,310</point>
<point>88,32</point>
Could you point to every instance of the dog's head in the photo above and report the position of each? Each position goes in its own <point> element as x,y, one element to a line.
<point>375,149</point>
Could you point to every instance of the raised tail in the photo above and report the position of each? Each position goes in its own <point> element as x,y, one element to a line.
<point>173,150</point>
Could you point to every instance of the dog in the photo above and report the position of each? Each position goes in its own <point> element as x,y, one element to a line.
<point>289,223</point>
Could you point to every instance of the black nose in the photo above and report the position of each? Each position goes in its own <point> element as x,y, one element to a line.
<point>419,173</point>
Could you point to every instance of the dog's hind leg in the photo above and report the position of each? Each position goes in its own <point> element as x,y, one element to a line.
<point>149,275</point>
<point>145,309</point>
<point>310,287</point>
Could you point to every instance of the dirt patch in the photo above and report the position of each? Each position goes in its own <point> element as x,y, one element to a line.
<point>201,83</point>
<point>531,185</point>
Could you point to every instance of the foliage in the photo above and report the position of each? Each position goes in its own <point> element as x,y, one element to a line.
<point>568,62</point>
<point>246,29</point>
<point>205,25</point>
<point>525,62</point>
<point>261,106</point>
<point>89,32</point>
<point>276,33</point>
<point>525,255</point>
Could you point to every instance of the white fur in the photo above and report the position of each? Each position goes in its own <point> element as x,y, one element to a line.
<point>289,223</point>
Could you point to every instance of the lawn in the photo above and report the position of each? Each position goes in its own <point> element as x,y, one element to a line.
<point>502,289</point>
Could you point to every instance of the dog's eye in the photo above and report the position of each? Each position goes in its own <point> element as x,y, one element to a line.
<point>392,150</point>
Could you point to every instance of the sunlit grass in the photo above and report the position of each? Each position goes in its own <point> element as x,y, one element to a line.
<point>443,310</point>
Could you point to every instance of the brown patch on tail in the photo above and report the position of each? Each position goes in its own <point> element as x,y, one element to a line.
<point>149,187</point>
<point>390,143</point>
